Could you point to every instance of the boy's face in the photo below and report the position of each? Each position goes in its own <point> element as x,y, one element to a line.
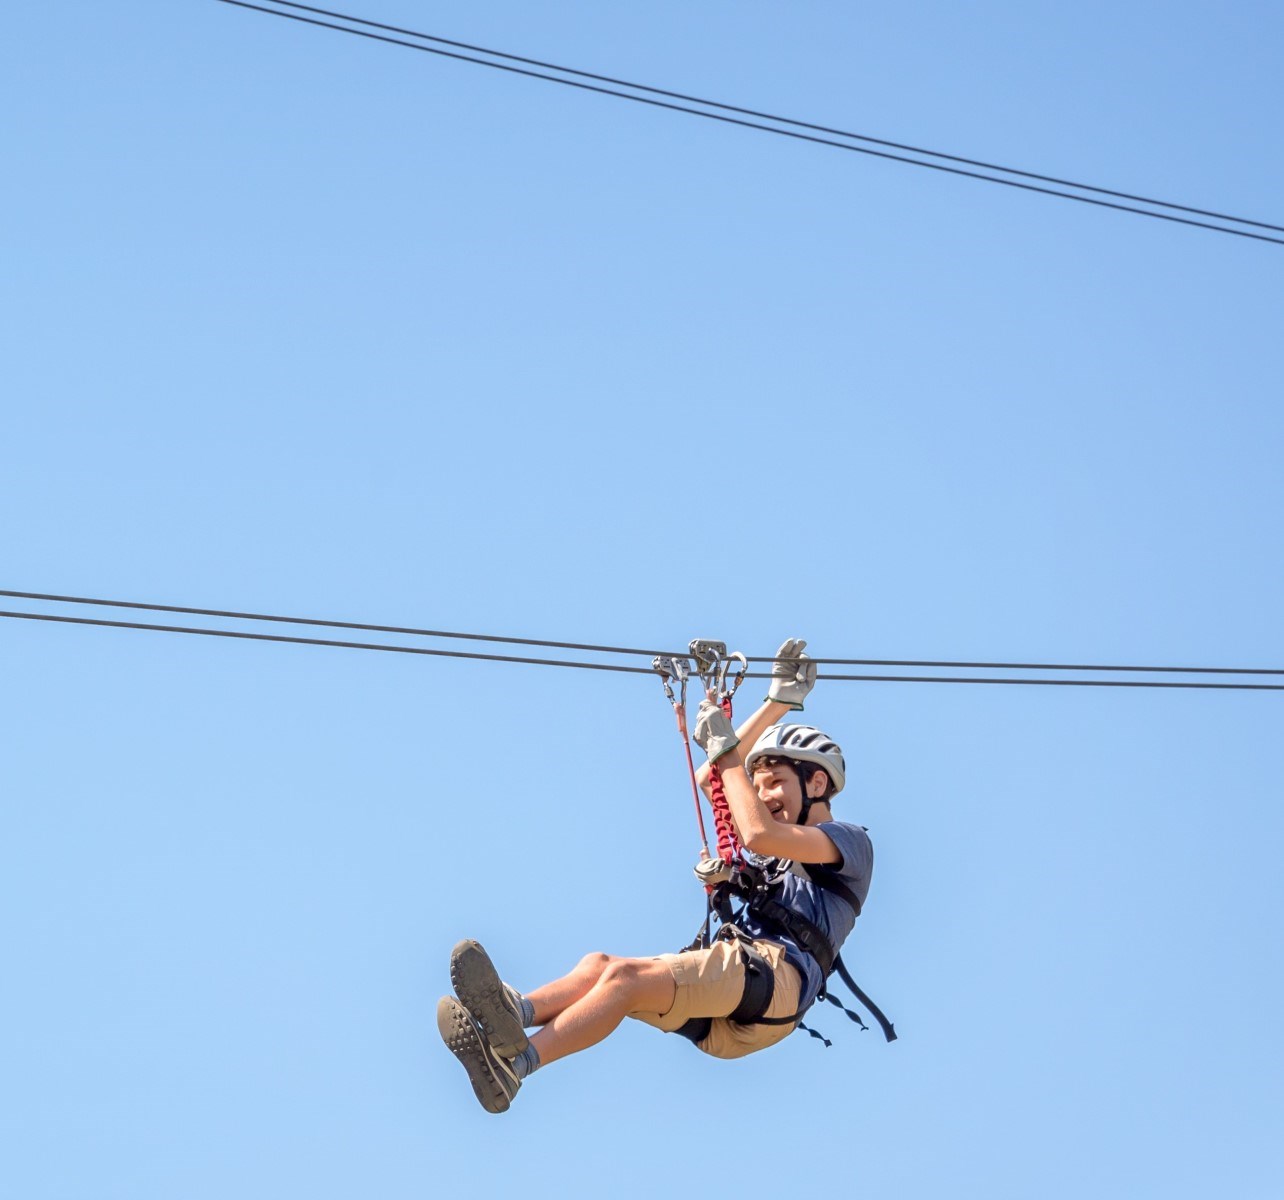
<point>776,782</point>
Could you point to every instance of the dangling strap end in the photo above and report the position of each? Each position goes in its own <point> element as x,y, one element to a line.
<point>820,1037</point>
<point>851,1016</point>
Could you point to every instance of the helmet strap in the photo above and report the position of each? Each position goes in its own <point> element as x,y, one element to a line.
<point>807,801</point>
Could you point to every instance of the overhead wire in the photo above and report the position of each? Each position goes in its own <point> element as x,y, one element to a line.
<point>592,666</point>
<point>147,606</point>
<point>1032,666</point>
<point>766,116</point>
<point>302,641</point>
<point>748,124</point>
<point>330,624</point>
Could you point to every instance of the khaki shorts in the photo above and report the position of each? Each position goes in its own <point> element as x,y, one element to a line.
<point>710,983</point>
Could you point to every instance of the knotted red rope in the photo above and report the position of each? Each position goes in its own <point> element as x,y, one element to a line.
<point>728,843</point>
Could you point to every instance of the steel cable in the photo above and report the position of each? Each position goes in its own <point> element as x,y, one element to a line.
<point>789,133</point>
<point>766,116</point>
<point>327,623</point>
<point>591,666</point>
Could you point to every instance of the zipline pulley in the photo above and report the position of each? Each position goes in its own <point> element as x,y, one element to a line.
<point>713,664</point>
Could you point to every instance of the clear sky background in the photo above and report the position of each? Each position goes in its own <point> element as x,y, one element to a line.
<point>299,323</point>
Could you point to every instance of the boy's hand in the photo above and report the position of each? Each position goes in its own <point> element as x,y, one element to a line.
<point>793,675</point>
<point>713,732</point>
<point>712,871</point>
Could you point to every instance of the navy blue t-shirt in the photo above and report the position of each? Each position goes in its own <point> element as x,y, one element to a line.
<point>830,913</point>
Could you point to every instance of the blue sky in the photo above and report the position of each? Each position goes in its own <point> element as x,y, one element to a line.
<point>295,323</point>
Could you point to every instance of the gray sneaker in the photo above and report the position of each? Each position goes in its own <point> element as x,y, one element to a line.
<point>492,1078</point>
<point>483,994</point>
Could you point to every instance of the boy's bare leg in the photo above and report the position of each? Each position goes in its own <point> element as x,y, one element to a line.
<point>621,986</point>
<point>554,998</point>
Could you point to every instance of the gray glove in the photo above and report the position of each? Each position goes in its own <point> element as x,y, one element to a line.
<point>711,871</point>
<point>793,675</point>
<point>713,732</point>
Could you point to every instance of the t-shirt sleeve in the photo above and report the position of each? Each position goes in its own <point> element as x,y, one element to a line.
<point>857,850</point>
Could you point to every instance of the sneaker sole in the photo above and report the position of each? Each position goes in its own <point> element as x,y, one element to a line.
<point>481,992</point>
<point>462,1040</point>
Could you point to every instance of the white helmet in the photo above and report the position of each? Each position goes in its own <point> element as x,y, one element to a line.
<point>801,743</point>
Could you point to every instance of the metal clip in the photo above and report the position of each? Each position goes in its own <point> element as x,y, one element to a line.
<point>666,669</point>
<point>681,672</point>
<point>707,656</point>
<point>724,666</point>
<point>677,670</point>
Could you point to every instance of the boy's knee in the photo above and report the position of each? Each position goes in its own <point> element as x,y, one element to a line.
<point>642,983</point>
<point>624,973</point>
<point>595,963</point>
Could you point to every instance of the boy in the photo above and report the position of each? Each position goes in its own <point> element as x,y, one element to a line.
<point>746,991</point>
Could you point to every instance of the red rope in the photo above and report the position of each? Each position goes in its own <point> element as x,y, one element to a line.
<point>728,843</point>
<point>695,790</point>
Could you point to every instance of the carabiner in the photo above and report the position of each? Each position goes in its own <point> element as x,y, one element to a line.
<point>663,665</point>
<point>681,672</point>
<point>724,666</point>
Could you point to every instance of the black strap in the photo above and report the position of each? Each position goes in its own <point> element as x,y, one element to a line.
<point>889,1030</point>
<point>810,1032</point>
<point>750,883</point>
<point>704,934</point>
<point>830,880</point>
<point>760,987</point>
<point>809,937</point>
<point>772,913</point>
<point>755,998</point>
<point>695,1030</point>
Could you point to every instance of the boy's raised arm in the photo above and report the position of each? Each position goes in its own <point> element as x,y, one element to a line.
<point>793,675</point>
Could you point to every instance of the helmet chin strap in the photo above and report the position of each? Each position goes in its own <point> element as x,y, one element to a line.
<point>807,801</point>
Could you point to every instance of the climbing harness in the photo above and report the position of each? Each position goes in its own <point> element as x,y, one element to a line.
<point>757,887</point>
<point>730,877</point>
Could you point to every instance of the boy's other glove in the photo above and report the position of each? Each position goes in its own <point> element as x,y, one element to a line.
<point>713,732</point>
<point>793,675</point>
<point>712,871</point>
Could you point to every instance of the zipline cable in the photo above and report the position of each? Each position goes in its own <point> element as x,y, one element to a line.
<point>422,650</point>
<point>327,624</point>
<point>789,133</point>
<point>766,116</point>
<point>1024,666</point>
<point>302,641</point>
<point>596,649</point>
